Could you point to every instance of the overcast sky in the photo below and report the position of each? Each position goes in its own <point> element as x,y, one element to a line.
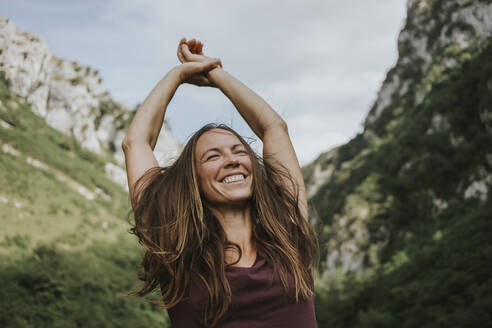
<point>319,64</point>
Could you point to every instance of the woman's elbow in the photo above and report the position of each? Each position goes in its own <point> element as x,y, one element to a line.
<point>278,124</point>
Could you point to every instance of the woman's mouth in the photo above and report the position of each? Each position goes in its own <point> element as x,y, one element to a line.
<point>232,179</point>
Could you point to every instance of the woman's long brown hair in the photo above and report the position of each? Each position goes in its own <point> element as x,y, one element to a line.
<point>182,237</point>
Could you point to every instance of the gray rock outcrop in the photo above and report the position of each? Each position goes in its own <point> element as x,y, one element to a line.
<point>71,98</point>
<point>438,35</point>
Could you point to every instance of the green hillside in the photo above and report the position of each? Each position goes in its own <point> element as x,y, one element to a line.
<point>430,235</point>
<point>66,260</point>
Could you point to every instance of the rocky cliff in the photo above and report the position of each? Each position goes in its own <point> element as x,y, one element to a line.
<point>71,98</point>
<point>426,142</point>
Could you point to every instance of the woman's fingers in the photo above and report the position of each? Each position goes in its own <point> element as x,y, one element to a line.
<point>203,67</point>
<point>187,55</point>
<point>194,51</point>
<point>180,55</point>
<point>193,68</point>
<point>195,46</point>
<point>198,78</point>
<point>192,45</point>
<point>185,52</point>
<point>190,53</point>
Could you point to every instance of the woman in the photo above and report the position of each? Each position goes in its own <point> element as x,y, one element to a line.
<point>226,232</point>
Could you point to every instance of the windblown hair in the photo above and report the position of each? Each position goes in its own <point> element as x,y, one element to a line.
<point>182,237</point>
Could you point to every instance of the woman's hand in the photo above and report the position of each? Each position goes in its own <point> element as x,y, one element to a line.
<point>194,73</point>
<point>195,63</point>
<point>192,51</point>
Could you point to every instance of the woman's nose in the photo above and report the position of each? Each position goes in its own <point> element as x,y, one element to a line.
<point>231,160</point>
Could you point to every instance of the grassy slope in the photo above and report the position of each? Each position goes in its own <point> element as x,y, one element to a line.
<point>65,261</point>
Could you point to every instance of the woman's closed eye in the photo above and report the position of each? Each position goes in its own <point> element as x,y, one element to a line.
<point>212,156</point>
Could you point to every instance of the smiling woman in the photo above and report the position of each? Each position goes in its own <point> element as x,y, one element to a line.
<point>226,232</point>
<point>223,169</point>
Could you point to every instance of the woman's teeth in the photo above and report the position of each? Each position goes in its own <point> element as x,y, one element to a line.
<point>233,178</point>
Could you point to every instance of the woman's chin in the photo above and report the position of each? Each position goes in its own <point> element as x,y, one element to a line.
<point>238,198</point>
<point>233,200</point>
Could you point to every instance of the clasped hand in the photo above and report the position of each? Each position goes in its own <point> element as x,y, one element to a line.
<point>195,64</point>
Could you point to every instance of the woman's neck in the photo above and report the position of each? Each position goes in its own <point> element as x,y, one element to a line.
<point>238,226</point>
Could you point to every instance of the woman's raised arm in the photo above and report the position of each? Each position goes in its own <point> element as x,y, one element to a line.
<point>147,123</point>
<point>142,134</point>
<point>262,119</point>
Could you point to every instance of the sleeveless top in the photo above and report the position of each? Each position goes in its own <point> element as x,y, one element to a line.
<point>255,303</point>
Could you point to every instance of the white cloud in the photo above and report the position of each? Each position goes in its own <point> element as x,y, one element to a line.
<point>315,62</point>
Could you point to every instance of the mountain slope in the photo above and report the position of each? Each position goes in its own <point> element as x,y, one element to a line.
<point>417,125</point>
<point>404,207</point>
<point>66,258</point>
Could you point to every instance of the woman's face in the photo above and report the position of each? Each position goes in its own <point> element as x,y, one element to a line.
<point>223,168</point>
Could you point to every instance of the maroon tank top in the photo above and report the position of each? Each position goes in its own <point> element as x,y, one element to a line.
<point>255,303</point>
